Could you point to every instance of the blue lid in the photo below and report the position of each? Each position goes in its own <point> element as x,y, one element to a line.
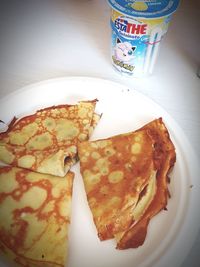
<point>145,8</point>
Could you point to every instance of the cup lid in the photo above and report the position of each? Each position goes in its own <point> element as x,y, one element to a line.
<point>145,8</point>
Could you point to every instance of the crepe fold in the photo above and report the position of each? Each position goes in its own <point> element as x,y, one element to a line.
<point>46,141</point>
<point>126,181</point>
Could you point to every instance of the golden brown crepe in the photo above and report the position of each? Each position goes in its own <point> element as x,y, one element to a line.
<point>125,178</point>
<point>115,171</point>
<point>34,217</point>
<point>46,141</point>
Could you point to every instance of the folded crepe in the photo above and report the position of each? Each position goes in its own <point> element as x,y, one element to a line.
<point>125,179</point>
<point>35,214</point>
<point>46,141</point>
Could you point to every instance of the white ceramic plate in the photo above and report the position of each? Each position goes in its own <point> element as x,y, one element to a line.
<point>171,233</point>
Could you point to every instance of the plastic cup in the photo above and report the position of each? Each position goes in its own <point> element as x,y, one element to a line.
<point>137,29</point>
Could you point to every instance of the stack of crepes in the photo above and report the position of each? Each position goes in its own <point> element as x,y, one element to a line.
<point>126,181</point>
<point>36,183</point>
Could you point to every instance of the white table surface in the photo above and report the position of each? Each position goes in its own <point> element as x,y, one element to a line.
<point>47,39</point>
